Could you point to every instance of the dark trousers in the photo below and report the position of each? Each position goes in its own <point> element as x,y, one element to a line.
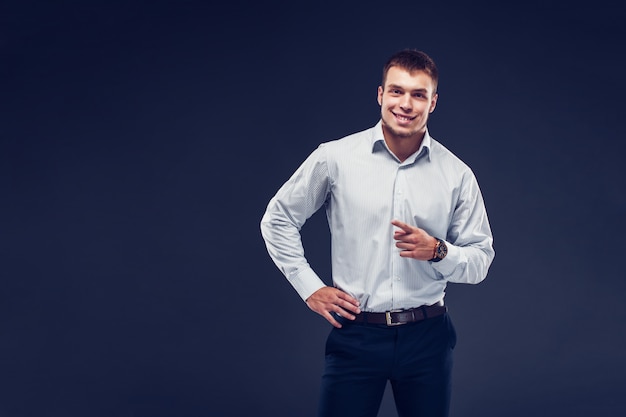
<point>415,357</point>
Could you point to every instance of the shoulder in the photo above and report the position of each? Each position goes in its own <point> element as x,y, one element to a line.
<point>352,145</point>
<point>452,169</point>
<point>447,159</point>
<point>352,140</point>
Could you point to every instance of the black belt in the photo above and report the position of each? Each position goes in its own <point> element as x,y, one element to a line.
<point>398,317</point>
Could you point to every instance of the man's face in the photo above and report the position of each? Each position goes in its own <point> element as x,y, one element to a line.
<point>405,101</point>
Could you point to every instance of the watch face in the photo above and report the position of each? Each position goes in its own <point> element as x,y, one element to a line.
<point>442,250</point>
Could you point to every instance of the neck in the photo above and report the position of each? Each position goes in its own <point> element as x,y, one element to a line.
<point>403,146</point>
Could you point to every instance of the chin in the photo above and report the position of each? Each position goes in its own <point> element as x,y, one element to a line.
<point>402,132</point>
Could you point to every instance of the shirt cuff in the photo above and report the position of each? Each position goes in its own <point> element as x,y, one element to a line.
<point>306,282</point>
<point>453,259</point>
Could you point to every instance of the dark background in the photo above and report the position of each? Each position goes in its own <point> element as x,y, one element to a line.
<point>141,142</point>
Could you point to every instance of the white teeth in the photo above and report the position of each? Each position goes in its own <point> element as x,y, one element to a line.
<point>402,118</point>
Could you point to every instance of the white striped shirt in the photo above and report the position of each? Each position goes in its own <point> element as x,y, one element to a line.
<point>363,187</point>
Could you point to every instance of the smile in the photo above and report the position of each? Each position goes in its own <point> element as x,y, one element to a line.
<point>402,118</point>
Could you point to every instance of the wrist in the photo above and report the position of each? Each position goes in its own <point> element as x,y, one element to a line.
<point>440,250</point>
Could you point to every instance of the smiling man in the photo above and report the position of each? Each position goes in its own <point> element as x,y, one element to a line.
<point>406,217</point>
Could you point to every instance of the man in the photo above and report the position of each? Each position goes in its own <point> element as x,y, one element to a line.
<point>406,217</point>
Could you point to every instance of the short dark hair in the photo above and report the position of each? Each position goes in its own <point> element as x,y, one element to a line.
<point>412,60</point>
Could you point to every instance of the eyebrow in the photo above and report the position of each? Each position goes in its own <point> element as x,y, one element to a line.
<point>420,90</point>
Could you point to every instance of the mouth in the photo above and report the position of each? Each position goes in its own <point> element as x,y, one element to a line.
<point>402,119</point>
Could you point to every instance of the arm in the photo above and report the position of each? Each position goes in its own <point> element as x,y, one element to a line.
<point>301,196</point>
<point>469,239</point>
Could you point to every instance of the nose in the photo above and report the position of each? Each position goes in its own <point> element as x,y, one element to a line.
<point>405,103</point>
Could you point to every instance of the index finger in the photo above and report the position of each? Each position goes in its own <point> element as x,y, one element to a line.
<point>401,225</point>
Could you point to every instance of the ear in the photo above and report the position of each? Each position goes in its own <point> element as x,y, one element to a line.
<point>433,103</point>
<point>380,95</point>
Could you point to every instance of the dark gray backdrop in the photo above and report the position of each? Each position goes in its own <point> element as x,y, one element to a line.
<point>141,141</point>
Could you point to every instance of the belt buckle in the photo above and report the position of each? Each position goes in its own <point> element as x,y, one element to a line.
<point>389,320</point>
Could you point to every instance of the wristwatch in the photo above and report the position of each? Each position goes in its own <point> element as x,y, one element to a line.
<point>441,250</point>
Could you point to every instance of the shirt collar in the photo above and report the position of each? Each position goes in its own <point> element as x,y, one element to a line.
<point>378,143</point>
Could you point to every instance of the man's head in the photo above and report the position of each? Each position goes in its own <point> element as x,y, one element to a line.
<point>411,61</point>
<point>407,95</point>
